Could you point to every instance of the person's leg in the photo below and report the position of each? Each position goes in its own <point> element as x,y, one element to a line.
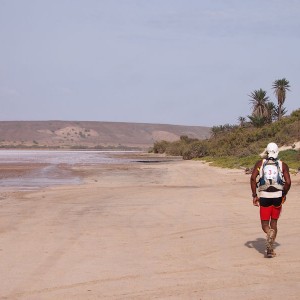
<point>273,225</point>
<point>272,232</point>
<point>274,218</point>
<point>265,225</point>
<point>265,216</point>
<point>270,209</point>
<point>271,236</point>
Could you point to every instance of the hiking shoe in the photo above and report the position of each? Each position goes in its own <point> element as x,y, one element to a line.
<point>270,253</point>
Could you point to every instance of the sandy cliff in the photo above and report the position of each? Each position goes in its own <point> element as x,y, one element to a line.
<point>92,134</point>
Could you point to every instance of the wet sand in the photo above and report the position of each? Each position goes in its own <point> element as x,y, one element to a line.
<point>13,170</point>
<point>168,230</point>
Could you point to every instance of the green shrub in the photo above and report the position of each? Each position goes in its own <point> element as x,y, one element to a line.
<point>233,146</point>
<point>160,147</point>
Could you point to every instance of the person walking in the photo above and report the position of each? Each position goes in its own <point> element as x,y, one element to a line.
<point>272,187</point>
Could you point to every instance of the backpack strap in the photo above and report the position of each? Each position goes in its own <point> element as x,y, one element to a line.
<point>280,172</point>
<point>261,169</point>
<point>261,172</point>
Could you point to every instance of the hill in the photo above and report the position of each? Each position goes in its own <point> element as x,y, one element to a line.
<point>90,134</point>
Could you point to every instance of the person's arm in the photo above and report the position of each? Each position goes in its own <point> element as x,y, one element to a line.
<point>287,178</point>
<point>254,174</point>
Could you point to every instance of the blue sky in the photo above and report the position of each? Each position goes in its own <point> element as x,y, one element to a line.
<point>185,62</point>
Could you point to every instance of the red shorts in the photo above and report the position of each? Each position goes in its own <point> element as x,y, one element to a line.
<point>269,212</point>
<point>270,208</point>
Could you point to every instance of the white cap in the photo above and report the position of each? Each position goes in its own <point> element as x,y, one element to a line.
<point>272,150</point>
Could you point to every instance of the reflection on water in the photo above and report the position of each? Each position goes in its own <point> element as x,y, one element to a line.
<point>51,173</point>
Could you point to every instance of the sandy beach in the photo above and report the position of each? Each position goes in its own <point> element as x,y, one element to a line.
<point>168,230</point>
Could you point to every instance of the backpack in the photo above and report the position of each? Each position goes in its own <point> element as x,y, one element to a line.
<point>270,175</point>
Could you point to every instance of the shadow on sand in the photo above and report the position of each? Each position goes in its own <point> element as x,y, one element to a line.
<point>260,245</point>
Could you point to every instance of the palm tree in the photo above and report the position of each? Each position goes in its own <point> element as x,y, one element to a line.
<point>259,100</point>
<point>257,121</point>
<point>271,109</point>
<point>242,121</point>
<point>280,87</point>
<point>283,111</point>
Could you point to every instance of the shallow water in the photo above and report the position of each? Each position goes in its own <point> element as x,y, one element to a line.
<point>60,157</point>
<point>51,174</point>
